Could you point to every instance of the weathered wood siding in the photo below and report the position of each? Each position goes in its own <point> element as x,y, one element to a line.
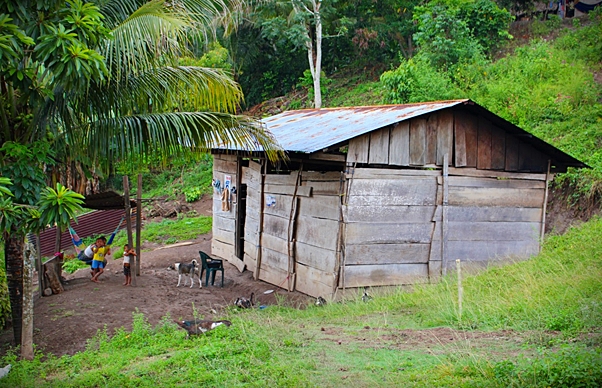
<point>224,222</point>
<point>470,141</point>
<point>398,230</point>
<point>251,176</point>
<point>388,226</point>
<point>492,218</point>
<point>307,224</point>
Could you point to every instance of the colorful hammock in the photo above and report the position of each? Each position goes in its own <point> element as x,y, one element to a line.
<point>80,247</point>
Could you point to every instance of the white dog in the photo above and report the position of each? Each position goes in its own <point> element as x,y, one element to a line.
<point>189,270</point>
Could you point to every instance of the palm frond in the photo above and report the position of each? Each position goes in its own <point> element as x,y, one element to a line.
<point>172,133</point>
<point>151,36</point>
<point>167,88</point>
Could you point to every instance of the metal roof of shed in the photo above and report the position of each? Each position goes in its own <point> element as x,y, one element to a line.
<point>311,130</point>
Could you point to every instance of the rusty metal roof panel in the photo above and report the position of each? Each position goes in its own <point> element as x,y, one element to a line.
<point>311,130</point>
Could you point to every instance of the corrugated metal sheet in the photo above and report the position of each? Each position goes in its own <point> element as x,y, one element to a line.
<point>89,224</point>
<point>311,130</point>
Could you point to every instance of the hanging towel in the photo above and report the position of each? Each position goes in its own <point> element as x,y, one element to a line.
<point>226,200</point>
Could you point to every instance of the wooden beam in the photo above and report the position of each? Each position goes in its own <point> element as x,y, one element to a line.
<point>138,225</point>
<point>496,174</point>
<point>128,220</point>
<point>303,191</point>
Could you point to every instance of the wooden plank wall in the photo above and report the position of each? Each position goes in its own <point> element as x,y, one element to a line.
<point>251,176</point>
<point>491,218</point>
<point>224,222</point>
<point>470,141</point>
<point>420,141</point>
<point>315,228</point>
<point>317,234</point>
<point>388,226</point>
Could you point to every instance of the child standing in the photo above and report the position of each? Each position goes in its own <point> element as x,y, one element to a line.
<point>99,261</point>
<point>128,254</point>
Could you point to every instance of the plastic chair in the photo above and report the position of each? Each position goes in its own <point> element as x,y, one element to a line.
<point>211,266</point>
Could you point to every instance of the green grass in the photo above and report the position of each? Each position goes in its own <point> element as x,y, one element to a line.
<point>189,176</point>
<point>167,231</point>
<point>539,321</point>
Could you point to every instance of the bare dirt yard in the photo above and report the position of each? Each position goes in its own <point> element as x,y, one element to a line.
<point>64,322</point>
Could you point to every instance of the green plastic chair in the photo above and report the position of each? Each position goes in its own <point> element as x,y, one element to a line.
<point>212,266</point>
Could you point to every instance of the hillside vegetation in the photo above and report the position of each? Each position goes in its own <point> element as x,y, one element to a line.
<point>535,323</point>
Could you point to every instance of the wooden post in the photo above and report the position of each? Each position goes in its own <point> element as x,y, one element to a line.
<point>261,206</point>
<point>460,290</point>
<point>340,241</point>
<point>545,206</point>
<point>128,220</point>
<point>138,223</point>
<point>291,232</point>
<point>444,203</point>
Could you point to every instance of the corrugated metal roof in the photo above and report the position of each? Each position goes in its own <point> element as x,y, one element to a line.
<point>311,130</point>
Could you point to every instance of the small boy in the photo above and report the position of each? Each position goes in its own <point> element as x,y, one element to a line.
<point>99,260</point>
<point>127,255</point>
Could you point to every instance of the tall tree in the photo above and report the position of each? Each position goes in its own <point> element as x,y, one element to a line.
<point>101,79</point>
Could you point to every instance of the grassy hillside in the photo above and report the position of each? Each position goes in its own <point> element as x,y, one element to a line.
<point>535,323</point>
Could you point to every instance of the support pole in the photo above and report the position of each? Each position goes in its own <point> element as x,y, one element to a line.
<point>128,220</point>
<point>545,206</point>
<point>444,203</point>
<point>460,289</point>
<point>138,223</point>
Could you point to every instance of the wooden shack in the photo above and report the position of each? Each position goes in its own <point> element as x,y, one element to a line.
<point>382,195</point>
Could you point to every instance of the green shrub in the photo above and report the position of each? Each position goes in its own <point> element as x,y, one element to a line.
<point>416,80</point>
<point>192,194</point>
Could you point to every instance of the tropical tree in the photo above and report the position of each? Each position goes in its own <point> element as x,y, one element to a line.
<point>98,80</point>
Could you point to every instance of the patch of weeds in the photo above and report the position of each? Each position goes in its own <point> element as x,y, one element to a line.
<point>571,366</point>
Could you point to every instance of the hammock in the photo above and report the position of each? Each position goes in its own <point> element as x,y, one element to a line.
<point>80,247</point>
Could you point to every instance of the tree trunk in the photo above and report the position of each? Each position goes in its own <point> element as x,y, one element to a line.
<point>13,256</point>
<point>57,249</point>
<point>29,255</point>
<point>315,61</point>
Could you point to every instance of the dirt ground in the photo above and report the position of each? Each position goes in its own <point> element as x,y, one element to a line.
<point>64,322</point>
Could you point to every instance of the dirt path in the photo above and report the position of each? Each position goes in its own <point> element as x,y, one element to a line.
<point>63,323</point>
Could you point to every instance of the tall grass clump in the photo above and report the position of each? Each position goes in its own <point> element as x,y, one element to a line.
<point>559,289</point>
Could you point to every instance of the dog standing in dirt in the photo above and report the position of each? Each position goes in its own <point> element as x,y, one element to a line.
<point>189,271</point>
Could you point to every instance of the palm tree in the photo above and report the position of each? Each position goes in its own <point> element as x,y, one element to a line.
<point>147,103</point>
<point>101,80</point>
